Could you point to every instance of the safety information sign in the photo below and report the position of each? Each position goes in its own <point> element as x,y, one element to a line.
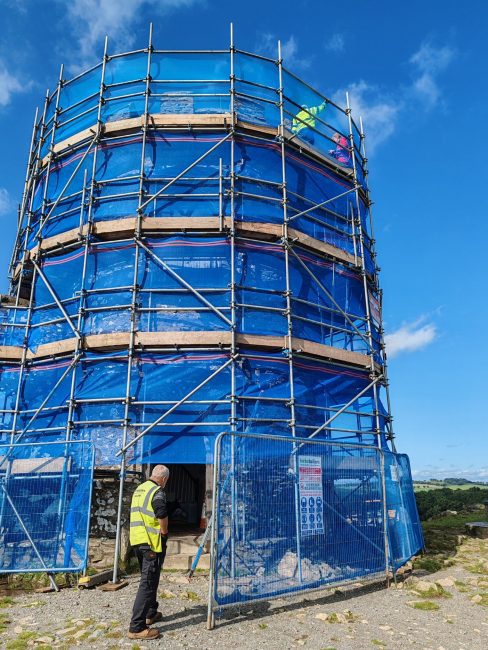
<point>311,495</point>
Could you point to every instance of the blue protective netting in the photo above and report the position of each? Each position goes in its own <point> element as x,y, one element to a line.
<point>242,180</point>
<point>326,525</point>
<point>258,192</point>
<point>405,530</point>
<point>193,83</point>
<point>333,316</point>
<point>187,435</point>
<point>45,492</point>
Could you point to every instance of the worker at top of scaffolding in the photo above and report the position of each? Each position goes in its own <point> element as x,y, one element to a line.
<point>304,121</point>
<point>341,152</point>
<point>148,537</point>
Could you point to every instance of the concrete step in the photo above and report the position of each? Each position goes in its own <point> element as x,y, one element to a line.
<point>183,561</point>
<point>183,544</point>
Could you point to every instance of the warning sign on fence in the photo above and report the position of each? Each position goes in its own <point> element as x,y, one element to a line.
<point>311,495</point>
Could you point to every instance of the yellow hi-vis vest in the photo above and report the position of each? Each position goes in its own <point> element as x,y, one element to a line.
<point>144,526</point>
<point>306,118</point>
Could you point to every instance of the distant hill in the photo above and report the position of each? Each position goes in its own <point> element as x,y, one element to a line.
<point>452,483</point>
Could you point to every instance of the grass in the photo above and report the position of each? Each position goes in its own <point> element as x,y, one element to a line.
<point>478,567</point>
<point>377,642</point>
<point>191,595</point>
<point>4,622</point>
<point>419,487</point>
<point>455,522</point>
<point>430,564</point>
<point>21,641</point>
<point>426,606</point>
<point>434,591</point>
<point>484,600</point>
<point>263,626</point>
<point>6,601</point>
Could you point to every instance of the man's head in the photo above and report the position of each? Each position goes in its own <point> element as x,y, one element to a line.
<point>160,475</point>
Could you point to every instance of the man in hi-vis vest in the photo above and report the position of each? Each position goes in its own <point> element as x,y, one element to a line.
<point>148,537</point>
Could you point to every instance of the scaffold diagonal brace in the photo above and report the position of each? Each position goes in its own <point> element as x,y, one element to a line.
<point>68,183</point>
<point>177,405</point>
<point>56,300</point>
<point>185,171</point>
<point>186,284</point>
<point>331,298</point>
<point>320,205</point>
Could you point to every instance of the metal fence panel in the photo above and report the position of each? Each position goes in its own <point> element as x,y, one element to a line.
<point>45,496</point>
<point>292,515</point>
<point>404,528</point>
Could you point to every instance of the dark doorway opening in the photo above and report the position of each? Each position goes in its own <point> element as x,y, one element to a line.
<point>185,492</point>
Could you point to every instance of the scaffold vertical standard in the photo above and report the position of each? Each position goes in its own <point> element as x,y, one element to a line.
<point>194,255</point>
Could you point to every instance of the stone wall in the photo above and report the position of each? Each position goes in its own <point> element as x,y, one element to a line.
<point>103,520</point>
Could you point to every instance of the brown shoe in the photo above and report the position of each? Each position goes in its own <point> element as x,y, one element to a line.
<point>157,617</point>
<point>146,635</point>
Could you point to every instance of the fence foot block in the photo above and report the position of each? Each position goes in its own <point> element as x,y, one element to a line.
<point>113,586</point>
<point>88,582</point>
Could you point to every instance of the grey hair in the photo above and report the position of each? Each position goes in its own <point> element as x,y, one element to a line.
<point>160,471</point>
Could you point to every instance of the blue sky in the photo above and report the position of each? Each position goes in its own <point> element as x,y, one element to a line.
<point>416,72</point>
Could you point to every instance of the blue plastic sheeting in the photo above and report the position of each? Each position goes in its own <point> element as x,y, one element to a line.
<point>258,191</point>
<point>405,530</point>
<point>326,523</point>
<point>44,518</point>
<point>158,381</point>
<point>192,83</point>
<point>334,314</point>
<point>12,325</point>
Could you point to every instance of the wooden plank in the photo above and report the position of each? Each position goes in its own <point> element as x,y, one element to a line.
<point>198,338</point>
<point>71,142</point>
<point>88,582</point>
<point>193,119</point>
<point>259,128</point>
<point>53,349</point>
<point>319,246</point>
<point>117,340</point>
<point>49,465</point>
<point>113,586</point>
<point>125,227</point>
<point>131,124</point>
<point>258,341</point>
<point>329,352</point>
<point>107,341</point>
<point>10,352</point>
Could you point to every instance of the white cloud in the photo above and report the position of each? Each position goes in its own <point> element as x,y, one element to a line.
<point>377,109</point>
<point>91,20</point>
<point>336,43</point>
<point>9,85</point>
<point>267,45</point>
<point>381,109</point>
<point>431,59</point>
<point>6,202</point>
<point>429,62</point>
<point>410,337</point>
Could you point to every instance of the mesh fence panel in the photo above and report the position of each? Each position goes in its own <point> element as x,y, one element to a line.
<point>404,528</point>
<point>45,494</point>
<point>293,515</point>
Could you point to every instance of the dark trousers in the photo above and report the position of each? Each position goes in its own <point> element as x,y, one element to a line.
<point>145,604</point>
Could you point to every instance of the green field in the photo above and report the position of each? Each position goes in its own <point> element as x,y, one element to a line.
<point>421,486</point>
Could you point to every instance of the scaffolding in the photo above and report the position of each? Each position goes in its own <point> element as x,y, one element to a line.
<point>194,254</point>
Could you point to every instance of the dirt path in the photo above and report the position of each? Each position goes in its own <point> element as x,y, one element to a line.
<point>445,610</point>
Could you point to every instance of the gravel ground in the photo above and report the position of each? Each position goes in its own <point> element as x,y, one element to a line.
<point>356,617</point>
